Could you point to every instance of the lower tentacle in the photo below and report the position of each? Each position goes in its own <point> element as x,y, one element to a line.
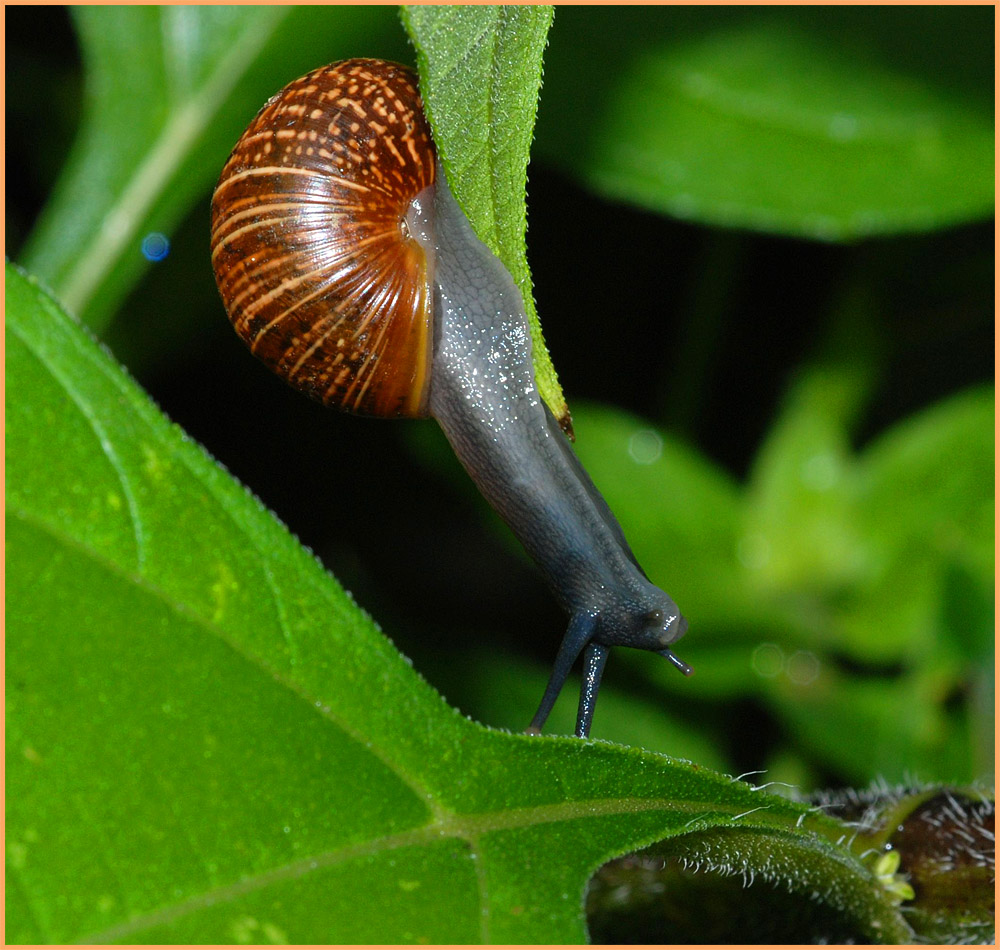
<point>581,629</point>
<point>594,659</point>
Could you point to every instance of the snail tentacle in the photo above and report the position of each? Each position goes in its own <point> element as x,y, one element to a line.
<point>581,629</point>
<point>594,658</point>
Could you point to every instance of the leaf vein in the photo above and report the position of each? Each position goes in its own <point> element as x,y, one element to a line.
<point>465,827</point>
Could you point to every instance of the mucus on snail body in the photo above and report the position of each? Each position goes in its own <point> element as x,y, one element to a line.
<point>347,266</point>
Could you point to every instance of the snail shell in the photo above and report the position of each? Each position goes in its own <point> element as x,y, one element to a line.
<point>310,244</point>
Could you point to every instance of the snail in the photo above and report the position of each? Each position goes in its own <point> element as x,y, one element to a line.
<point>347,266</point>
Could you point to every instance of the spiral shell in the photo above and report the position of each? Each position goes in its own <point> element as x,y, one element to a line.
<point>310,248</point>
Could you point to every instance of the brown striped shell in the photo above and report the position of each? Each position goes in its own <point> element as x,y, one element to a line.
<point>311,254</point>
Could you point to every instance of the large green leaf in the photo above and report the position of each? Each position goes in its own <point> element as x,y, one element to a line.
<point>168,91</point>
<point>207,740</point>
<point>825,123</point>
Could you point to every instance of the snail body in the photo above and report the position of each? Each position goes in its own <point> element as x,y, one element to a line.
<point>347,265</point>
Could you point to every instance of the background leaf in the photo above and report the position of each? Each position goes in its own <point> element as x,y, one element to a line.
<point>169,89</point>
<point>811,121</point>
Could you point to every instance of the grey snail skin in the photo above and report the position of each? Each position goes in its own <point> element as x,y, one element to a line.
<point>347,266</point>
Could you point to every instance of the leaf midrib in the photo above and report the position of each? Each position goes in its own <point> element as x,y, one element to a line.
<point>467,827</point>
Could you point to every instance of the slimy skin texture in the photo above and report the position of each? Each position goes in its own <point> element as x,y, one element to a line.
<point>484,397</point>
<point>346,265</point>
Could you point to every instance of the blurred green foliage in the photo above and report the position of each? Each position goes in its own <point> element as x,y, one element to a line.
<point>760,250</point>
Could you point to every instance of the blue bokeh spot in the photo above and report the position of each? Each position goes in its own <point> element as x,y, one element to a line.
<point>155,246</point>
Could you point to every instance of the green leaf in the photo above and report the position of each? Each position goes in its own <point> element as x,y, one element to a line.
<point>654,898</point>
<point>868,541</point>
<point>895,726</point>
<point>480,72</point>
<point>169,89</point>
<point>926,506</point>
<point>811,868</point>
<point>797,527</point>
<point>209,742</point>
<point>886,556</point>
<point>824,123</point>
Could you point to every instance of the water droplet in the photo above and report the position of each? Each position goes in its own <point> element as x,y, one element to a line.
<point>843,127</point>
